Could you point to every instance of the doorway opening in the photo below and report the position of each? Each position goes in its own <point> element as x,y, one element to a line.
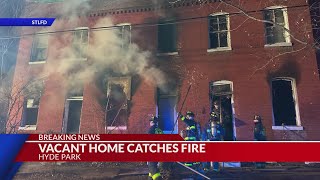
<point>221,94</point>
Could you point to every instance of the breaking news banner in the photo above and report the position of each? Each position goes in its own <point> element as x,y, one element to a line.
<point>26,21</point>
<point>143,148</point>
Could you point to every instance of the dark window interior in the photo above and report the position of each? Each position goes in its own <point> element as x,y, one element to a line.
<point>167,40</point>
<point>30,113</point>
<point>218,31</point>
<point>283,103</point>
<point>74,116</point>
<point>31,116</point>
<point>275,33</point>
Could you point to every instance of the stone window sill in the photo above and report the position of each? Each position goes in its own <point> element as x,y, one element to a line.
<point>168,54</point>
<point>283,44</point>
<point>37,62</point>
<point>111,128</point>
<point>80,59</point>
<point>288,128</point>
<point>28,128</point>
<point>219,49</point>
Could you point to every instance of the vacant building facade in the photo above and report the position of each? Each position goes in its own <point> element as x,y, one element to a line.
<point>107,66</point>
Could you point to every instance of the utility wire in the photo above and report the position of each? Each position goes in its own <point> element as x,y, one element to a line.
<point>176,21</point>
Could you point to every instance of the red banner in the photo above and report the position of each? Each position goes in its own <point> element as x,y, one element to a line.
<point>161,148</point>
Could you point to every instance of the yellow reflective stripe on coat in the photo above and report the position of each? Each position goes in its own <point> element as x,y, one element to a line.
<point>191,127</point>
<point>150,175</point>
<point>155,176</point>
<point>183,118</point>
<point>190,138</point>
<point>158,131</point>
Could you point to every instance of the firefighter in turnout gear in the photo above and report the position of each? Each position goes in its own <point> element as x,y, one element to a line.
<point>213,131</point>
<point>154,172</point>
<point>192,133</point>
<point>259,135</point>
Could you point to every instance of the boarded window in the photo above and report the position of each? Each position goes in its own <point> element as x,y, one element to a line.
<point>167,37</point>
<point>218,31</point>
<point>39,48</point>
<point>80,43</point>
<point>283,102</point>
<point>275,31</point>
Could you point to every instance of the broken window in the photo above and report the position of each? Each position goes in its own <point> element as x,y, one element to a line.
<point>80,43</point>
<point>283,102</point>
<point>73,107</point>
<point>39,48</point>
<point>167,100</point>
<point>30,112</point>
<point>219,31</point>
<point>117,102</point>
<point>167,37</point>
<point>221,103</point>
<point>125,35</point>
<point>276,27</point>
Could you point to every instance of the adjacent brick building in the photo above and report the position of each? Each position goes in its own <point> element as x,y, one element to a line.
<point>260,61</point>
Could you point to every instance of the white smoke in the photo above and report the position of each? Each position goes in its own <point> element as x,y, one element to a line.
<point>105,51</point>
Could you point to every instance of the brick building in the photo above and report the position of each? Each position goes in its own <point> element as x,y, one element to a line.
<point>254,57</point>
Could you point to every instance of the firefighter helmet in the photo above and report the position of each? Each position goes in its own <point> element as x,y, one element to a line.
<point>257,118</point>
<point>154,119</point>
<point>190,113</point>
<point>214,116</point>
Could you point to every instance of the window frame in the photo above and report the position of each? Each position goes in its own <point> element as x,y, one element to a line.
<point>298,125</point>
<point>287,36</point>
<point>166,22</point>
<point>87,43</point>
<point>23,124</point>
<point>227,48</point>
<point>122,25</point>
<point>66,113</point>
<point>123,80</point>
<point>34,46</point>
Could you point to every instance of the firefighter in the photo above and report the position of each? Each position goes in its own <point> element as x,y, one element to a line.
<point>192,132</point>
<point>154,172</point>
<point>259,135</point>
<point>192,127</point>
<point>213,131</point>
